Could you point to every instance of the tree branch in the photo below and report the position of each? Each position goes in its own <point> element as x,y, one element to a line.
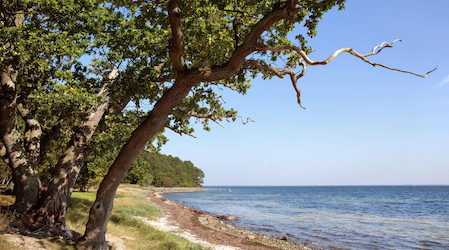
<point>177,49</point>
<point>243,121</point>
<point>342,50</point>
<point>33,132</point>
<point>216,119</point>
<point>248,46</point>
<point>181,132</point>
<point>47,139</point>
<point>294,78</point>
<point>307,61</point>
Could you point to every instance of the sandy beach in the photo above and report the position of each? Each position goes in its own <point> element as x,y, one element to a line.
<point>210,230</point>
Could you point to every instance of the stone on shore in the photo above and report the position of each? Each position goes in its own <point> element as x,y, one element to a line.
<point>250,237</point>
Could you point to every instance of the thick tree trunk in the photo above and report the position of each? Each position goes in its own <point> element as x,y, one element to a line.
<point>26,177</point>
<point>53,206</point>
<point>94,237</point>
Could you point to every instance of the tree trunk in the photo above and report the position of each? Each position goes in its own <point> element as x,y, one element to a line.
<point>53,206</point>
<point>94,237</point>
<point>25,175</point>
<point>26,178</point>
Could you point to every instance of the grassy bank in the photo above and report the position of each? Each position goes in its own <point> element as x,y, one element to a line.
<point>130,201</point>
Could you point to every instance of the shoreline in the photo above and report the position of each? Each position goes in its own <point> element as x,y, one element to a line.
<point>209,229</point>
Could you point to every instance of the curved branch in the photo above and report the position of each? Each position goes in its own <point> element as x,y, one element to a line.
<point>294,78</point>
<point>343,50</point>
<point>248,46</point>
<point>243,121</point>
<point>33,132</point>
<point>307,61</point>
<point>383,46</point>
<point>216,119</point>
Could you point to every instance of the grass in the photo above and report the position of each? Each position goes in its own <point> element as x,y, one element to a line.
<point>130,202</point>
<point>6,245</point>
<point>4,221</point>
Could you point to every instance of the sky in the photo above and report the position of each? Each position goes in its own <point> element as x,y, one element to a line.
<point>363,125</point>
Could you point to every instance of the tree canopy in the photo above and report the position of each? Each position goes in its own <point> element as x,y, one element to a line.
<point>56,110</point>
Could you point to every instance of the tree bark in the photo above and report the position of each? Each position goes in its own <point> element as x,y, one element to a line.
<point>54,204</point>
<point>100,212</point>
<point>26,177</point>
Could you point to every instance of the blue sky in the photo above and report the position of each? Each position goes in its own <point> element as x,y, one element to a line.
<point>363,125</point>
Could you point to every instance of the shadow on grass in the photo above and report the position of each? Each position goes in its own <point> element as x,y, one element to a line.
<point>78,213</point>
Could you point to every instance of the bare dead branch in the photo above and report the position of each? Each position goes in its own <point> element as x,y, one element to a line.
<point>338,52</point>
<point>383,46</point>
<point>214,118</point>
<point>222,99</point>
<point>281,74</point>
<point>307,61</point>
<point>243,121</point>
<point>268,68</point>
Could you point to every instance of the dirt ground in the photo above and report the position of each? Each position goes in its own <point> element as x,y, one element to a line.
<point>186,219</point>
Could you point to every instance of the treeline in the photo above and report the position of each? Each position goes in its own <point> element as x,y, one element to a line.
<point>149,169</point>
<point>160,170</point>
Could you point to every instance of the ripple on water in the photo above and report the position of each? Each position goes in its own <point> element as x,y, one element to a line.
<point>356,217</point>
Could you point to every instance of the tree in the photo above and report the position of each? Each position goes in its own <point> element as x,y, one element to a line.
<point>163,171</point>
<point>220,37</point>
<point>170,54</point>
<point>40,42</point>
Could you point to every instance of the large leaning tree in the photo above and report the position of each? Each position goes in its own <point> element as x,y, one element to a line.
<point>169,55</point>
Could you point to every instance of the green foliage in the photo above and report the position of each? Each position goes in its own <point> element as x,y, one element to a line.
<point>46,40</point>
<point>163,171</point>
<point>46,43</point>
<point>106,146</point>
<point>140,173</point>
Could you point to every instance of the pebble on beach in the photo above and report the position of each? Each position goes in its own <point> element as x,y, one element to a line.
<point>218,223</point>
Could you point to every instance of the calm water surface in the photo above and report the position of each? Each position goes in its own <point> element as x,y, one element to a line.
<point>347,217</point>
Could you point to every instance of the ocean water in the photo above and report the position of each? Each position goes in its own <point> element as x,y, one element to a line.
<point>336,217</point>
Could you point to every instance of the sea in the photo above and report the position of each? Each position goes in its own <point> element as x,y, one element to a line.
<point>335,217</point>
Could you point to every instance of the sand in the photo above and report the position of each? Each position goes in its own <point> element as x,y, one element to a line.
<point>210,230</point>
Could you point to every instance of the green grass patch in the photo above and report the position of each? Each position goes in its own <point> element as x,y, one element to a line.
<point>129,203</point>
<point>78,212</point>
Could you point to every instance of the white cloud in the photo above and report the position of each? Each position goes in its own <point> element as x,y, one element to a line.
<point>265,163</point>
<point>443,82</point>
